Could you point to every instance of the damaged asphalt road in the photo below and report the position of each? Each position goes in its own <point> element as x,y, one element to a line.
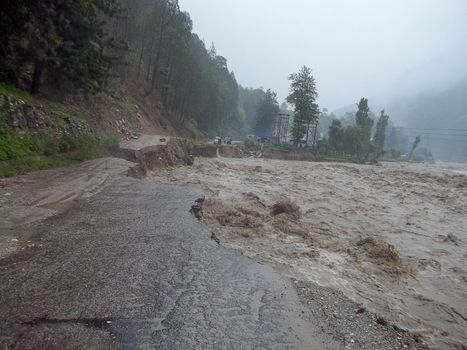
<point>131,268</point>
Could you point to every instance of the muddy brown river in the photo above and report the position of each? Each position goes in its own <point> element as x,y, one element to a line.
<point>390,237</point>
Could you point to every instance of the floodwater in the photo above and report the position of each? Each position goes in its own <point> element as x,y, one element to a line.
<point>392,237</point>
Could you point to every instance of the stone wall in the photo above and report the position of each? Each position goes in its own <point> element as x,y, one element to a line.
<point>23,117</point>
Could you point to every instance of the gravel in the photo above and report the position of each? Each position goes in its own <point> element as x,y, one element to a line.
<point>351,324</point>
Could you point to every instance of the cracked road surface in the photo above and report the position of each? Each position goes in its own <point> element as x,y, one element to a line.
<point>130,268</point>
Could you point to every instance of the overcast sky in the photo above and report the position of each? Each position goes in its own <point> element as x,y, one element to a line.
<point>379,49</point>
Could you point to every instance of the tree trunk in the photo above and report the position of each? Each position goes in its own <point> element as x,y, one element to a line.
<point>159,48</point>
<point>148,75</point>
<point>186,99</point>
<point>37,77</point>
<point>167,86</point>
<point>156,64</point>
<point>142,52</point>
<point>307,133</point>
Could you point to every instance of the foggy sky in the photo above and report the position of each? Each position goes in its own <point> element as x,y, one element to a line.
<point>380,49</point>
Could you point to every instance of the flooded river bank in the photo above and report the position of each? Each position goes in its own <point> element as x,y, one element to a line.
<point>392,237</point>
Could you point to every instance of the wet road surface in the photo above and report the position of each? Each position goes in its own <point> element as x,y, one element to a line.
<point>130,268</point>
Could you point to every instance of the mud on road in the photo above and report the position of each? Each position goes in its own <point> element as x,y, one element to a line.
<point>31,198</point>
<point>392,238</point>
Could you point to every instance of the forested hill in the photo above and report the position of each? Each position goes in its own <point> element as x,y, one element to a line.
<point>93,45</point>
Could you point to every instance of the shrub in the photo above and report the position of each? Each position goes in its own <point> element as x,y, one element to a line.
<point>194,130</point>
<point>112,143</point>
<point>11,146</point>
<point>24,153</point>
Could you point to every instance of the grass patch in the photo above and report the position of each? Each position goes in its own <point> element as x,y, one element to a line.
<point>10,90</point>
<point>112,143</point>
<point>28,164</point>
<point>24,153</point>
<point>54,107</point>
<point>279,147</point>
<point>12,146</point>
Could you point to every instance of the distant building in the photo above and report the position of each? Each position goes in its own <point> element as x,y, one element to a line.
<point>281,129</point>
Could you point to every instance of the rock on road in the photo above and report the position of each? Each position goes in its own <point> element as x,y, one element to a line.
<point>130,268</point>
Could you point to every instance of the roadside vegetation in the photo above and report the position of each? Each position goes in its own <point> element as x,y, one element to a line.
<point>65,140</point>
<point>18,94</point>
<point>279,147</point>
<point>24,153</point>
<point>194,130</point>
<point>111,143</point>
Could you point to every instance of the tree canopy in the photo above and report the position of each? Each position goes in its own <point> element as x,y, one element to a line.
<point>363,120</point>
<point>380,134</point>
<point>302,96</point>
<point>64,38</point>
<point>267,111</point>
<point>355,139</point>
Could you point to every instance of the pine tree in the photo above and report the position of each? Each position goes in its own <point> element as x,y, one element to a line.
<point>364,124</point>
<point>363,120</point>
<point>336,136</point>
<point>66,39</point>
<point>266,110</point>
<point>380,135</point>
<point>303,95</point>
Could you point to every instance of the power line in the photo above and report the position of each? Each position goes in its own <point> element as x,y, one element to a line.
<point>431,129</point>
<point>437,140</point>
<point>435,134</point>
<point>443,140</point>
